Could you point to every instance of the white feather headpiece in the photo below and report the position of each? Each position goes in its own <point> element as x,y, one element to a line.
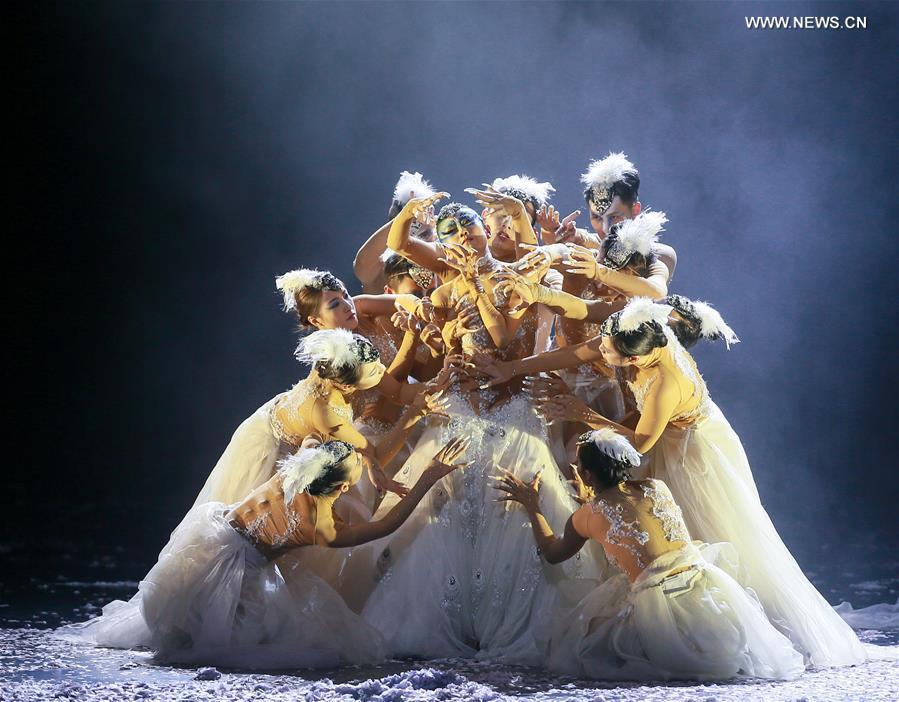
<point>292,281</point>
<point>635,235</point>
<point>299,470</point>
<point>541,192</point>
<point>613,444</point>
<point>603,174</point>
<point>712,324</point>
<point>411,183</point>
<point>388,252</point>
<point>639,311</point>
<point>335,346</point>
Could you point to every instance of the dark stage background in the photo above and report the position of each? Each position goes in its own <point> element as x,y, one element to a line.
<point>172,158</point>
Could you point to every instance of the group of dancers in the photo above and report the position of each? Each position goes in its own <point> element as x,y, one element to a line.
<point>503,450</point>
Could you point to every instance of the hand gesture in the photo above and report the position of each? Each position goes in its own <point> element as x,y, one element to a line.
<point>564,408</point>
<point>461,258</point>
<point>583,493</point>
<point>445,461</point>
<point>568,233</point>
<point>421,209</point>
<point>535,263</point>
<point>379,479</point>
<point>582,261</point>
<point>527,494</point>
<point>404,321</point>
<point>548,219</point>
<point>495,202</point>
<point>432,338</point>
<point>510,282</point>
<point>431,401</point>
<point>542,387</point>
<point>497,372</point>
<point>424,310</point>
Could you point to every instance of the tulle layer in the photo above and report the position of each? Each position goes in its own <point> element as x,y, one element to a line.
<point>463,576</point>
<point>708,473</point>
<point>698,624</point>
<point>214,599</point>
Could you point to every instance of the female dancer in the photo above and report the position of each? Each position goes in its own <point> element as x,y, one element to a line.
<point>489,594</point>
<point>673,613</point>
<point>217,597</point>
<point>690,445</point>
<point>343,362</point>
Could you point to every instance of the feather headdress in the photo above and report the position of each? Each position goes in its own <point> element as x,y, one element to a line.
<point>632,236</point>
<point>613,444</point>
<point>711,324</point>
<point>337,347</point>
<point>291,282</point>
<point>411,183</point>
<point>529,188</point>
<point>605,172</point>
<point>301,469</point>
<point>639,310</point>
<point>601,175</point>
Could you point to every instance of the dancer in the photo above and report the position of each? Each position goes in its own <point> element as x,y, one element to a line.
<point>691,447</point>
<point>217,597</point>
<point>367,264</point>
<point>469,601</point>
<point>674,612</point>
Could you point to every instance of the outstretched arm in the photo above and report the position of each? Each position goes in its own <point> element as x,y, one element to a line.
<point>554,550</point>
<point>566,357</point>
<point>423,253</point>
<point>442,464</point>
<point>367,265</point>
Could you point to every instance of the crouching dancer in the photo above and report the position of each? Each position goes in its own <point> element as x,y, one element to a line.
<point>674,613</point>
<point>216,597</point>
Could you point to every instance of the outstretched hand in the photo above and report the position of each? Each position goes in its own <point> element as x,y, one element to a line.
<point>445,461</point>
<point>497,372</point>
<point>495,202</point>
<point>461,258</point>
<point>421,209</point>
<point>380,480</point>
<point>583,493</point>
<point>535,263</point>
<point>509,282</point>
<point>526,494</point>
<point>542,387</point>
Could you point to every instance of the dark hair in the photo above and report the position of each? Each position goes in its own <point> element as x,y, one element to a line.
<point>627,189</point>
<point>636,262</point>
<point>308,299</point>
<point>644,339</point>
<point>396,267</point>
<point>450,209</point>
<point>349,374</point>
<point>607,471</point>
<point>334,474</point>
<point>395,209</point>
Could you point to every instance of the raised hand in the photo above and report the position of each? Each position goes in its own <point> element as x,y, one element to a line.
<point>496,202</point>
<point>526,494</point>
<point>404,321</point>
<point>445,460</point>
<point>568,233</point>
<point>582,261</point>
<point>510,282</point>
<point>461,258</point>
<point>535,263</point>
<point>497,372</point>
<point>422,209</point>
<point>424,310</point>
<point>548,218</point>
<point>432,338</point>
<point>583,493</point>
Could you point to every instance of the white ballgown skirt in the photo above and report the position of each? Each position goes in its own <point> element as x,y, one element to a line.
<point>695,625</point>
<point>708,473</point>
<point>463,576</point>
<point>214,599</point>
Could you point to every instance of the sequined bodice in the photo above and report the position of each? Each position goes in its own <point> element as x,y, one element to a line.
<point>642,534</point>
<point>272,525</point>
<point>693,408</point>
<point>290,415</point>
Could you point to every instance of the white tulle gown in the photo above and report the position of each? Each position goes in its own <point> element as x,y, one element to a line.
<point>684,618</point>
<point>463,576</point>
<point>705,466</point>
